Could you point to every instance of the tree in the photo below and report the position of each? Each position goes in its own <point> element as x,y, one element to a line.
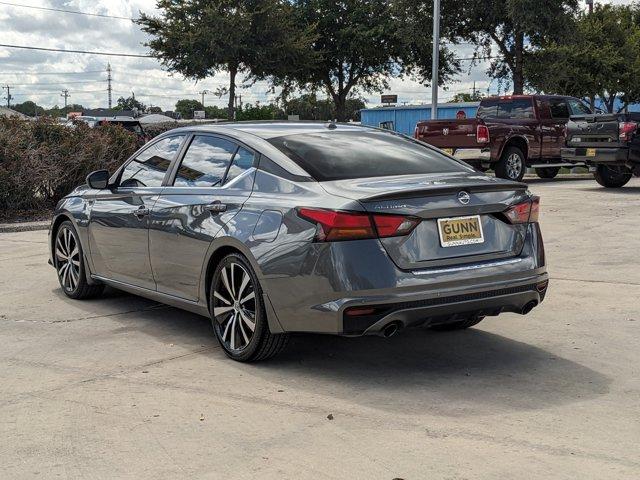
<point>467,97</point>
<point>601,58</point>
<point>152,109</point>
<point>309,107</point>
<point>130,103</point>
<point>360,45</point>
<point>514,27</point>
<point>198,38</point>
<point>186,107</point>
<point>29,108</point>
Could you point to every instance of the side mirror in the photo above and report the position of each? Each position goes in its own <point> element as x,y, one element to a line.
<point>98,180</point>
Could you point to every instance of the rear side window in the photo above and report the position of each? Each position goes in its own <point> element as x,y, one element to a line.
<point>488,108</point>
<point>558,108</point>
<point>149,167</point>
<point>518,108</point>
<point>338,155</point>
<point>242,161</point>
<point>205,163</point>
<point>576,107</point>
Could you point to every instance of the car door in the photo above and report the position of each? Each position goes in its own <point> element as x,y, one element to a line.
<point>553,128</point>
<point>119,219</point>
<point>207,189</point>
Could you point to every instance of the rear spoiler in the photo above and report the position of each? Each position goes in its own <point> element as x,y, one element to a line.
<point>433,191</point>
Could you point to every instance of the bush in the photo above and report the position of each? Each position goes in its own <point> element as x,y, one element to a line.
<point>41,161</point>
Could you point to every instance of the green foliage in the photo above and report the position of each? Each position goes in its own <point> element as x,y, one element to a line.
<point>358,47</point>
<point>41,160</point>
<point>309,107</point>
<point>198,38</point>
<point>515,27</point>
<point>29,108</point>
<point>130,103</point>
<point>258,112</point>
<point>186,107</point>
<point>467,97</point>
<point>602,58</point>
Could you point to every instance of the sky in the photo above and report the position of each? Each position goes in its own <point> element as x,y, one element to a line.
<point>41,76</point>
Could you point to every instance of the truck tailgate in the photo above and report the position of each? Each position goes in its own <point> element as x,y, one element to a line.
<point>448,133</point>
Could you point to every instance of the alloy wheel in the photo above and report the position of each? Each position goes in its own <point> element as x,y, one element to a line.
<point>234,307</point>
<point>67,259</point>
<point>514,166</point>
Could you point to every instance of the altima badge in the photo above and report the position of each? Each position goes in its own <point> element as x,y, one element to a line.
<point>464,198</point>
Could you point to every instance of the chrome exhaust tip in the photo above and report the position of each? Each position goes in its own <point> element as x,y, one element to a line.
<point>528,307</point>
<point>390,330</point>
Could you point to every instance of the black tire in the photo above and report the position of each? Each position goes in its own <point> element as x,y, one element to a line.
<point>459,325</point>
<point>547,172</point>
<point>612,177</point>
<point>512,164</point>
<point>235,307</point>
<point>68,260</point>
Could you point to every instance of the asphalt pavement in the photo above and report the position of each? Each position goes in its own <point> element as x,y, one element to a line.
<point>124,388</point>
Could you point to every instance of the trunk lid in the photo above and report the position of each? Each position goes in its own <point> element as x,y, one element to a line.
<point>448,133</point>
<point>433,197</point>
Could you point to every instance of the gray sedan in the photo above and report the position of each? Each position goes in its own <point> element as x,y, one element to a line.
<point>273,228</point>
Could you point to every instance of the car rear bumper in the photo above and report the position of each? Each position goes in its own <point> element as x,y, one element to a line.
<point>473,155</point>
<point>602,155</point>
<point>365,292</point>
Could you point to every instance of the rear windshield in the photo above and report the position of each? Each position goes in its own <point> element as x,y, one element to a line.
<point>506,108</point>
<point>335,155</point>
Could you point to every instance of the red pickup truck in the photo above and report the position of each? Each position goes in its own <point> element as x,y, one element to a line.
<point>508,134</point>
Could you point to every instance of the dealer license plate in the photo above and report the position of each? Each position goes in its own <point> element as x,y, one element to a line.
<point>460,231</point>
<point>448,151</point>
<point>591,152</point>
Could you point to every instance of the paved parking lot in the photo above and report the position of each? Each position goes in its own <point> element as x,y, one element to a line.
<point>122,387</point>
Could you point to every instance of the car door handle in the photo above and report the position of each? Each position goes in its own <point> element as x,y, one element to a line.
<point>216,207</point>
<point>141,212</point>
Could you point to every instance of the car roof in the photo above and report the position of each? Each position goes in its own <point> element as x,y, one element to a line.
<point>272,129</point>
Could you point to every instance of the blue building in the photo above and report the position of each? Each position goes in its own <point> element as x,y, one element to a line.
<point>403,119</point>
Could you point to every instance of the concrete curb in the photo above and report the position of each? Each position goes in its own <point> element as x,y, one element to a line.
<point>24,226</point>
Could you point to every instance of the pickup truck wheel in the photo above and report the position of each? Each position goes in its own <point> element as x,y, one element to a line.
<point>512,165</point>
<point>547,172</point>
<point>612,177</point>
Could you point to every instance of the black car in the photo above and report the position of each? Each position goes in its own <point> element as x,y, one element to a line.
<point>608,144</point>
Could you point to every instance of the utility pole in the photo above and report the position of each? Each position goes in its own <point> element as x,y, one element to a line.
<point>436,60</point>
<point>203,93</point>
<point>65,95</point>
<point>474,91</point>
<point>109,84</point>
<point>590,4</point>
<point>8,97</point>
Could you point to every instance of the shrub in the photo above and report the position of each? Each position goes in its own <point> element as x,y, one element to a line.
<point>41,160</point>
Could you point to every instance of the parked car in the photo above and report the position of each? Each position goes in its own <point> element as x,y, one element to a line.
<point>508,134</point>
<point>608,144</point>
<point>128,123</point>
<point>272,228</point>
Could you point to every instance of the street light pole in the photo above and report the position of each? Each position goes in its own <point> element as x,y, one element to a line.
<point>436,60</point>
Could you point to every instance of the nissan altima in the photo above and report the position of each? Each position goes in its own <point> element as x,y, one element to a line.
<point>280,227</point>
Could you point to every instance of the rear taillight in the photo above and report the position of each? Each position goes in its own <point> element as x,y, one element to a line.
<point>335,225</point>
<point>415,133</point>
<point>482,134</point>
<point>627,130</point>
<point>525,212</point>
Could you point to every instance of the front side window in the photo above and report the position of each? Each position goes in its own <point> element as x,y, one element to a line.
<point>558,108</point>
<point>339,155</point>
<point>150,166</point>
<point>206,162</point>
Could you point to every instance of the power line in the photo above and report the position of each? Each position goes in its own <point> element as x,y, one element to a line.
<point>136,55</point>
<point>27,72</point>
<point>74,12</point>
<point>62,82</point>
